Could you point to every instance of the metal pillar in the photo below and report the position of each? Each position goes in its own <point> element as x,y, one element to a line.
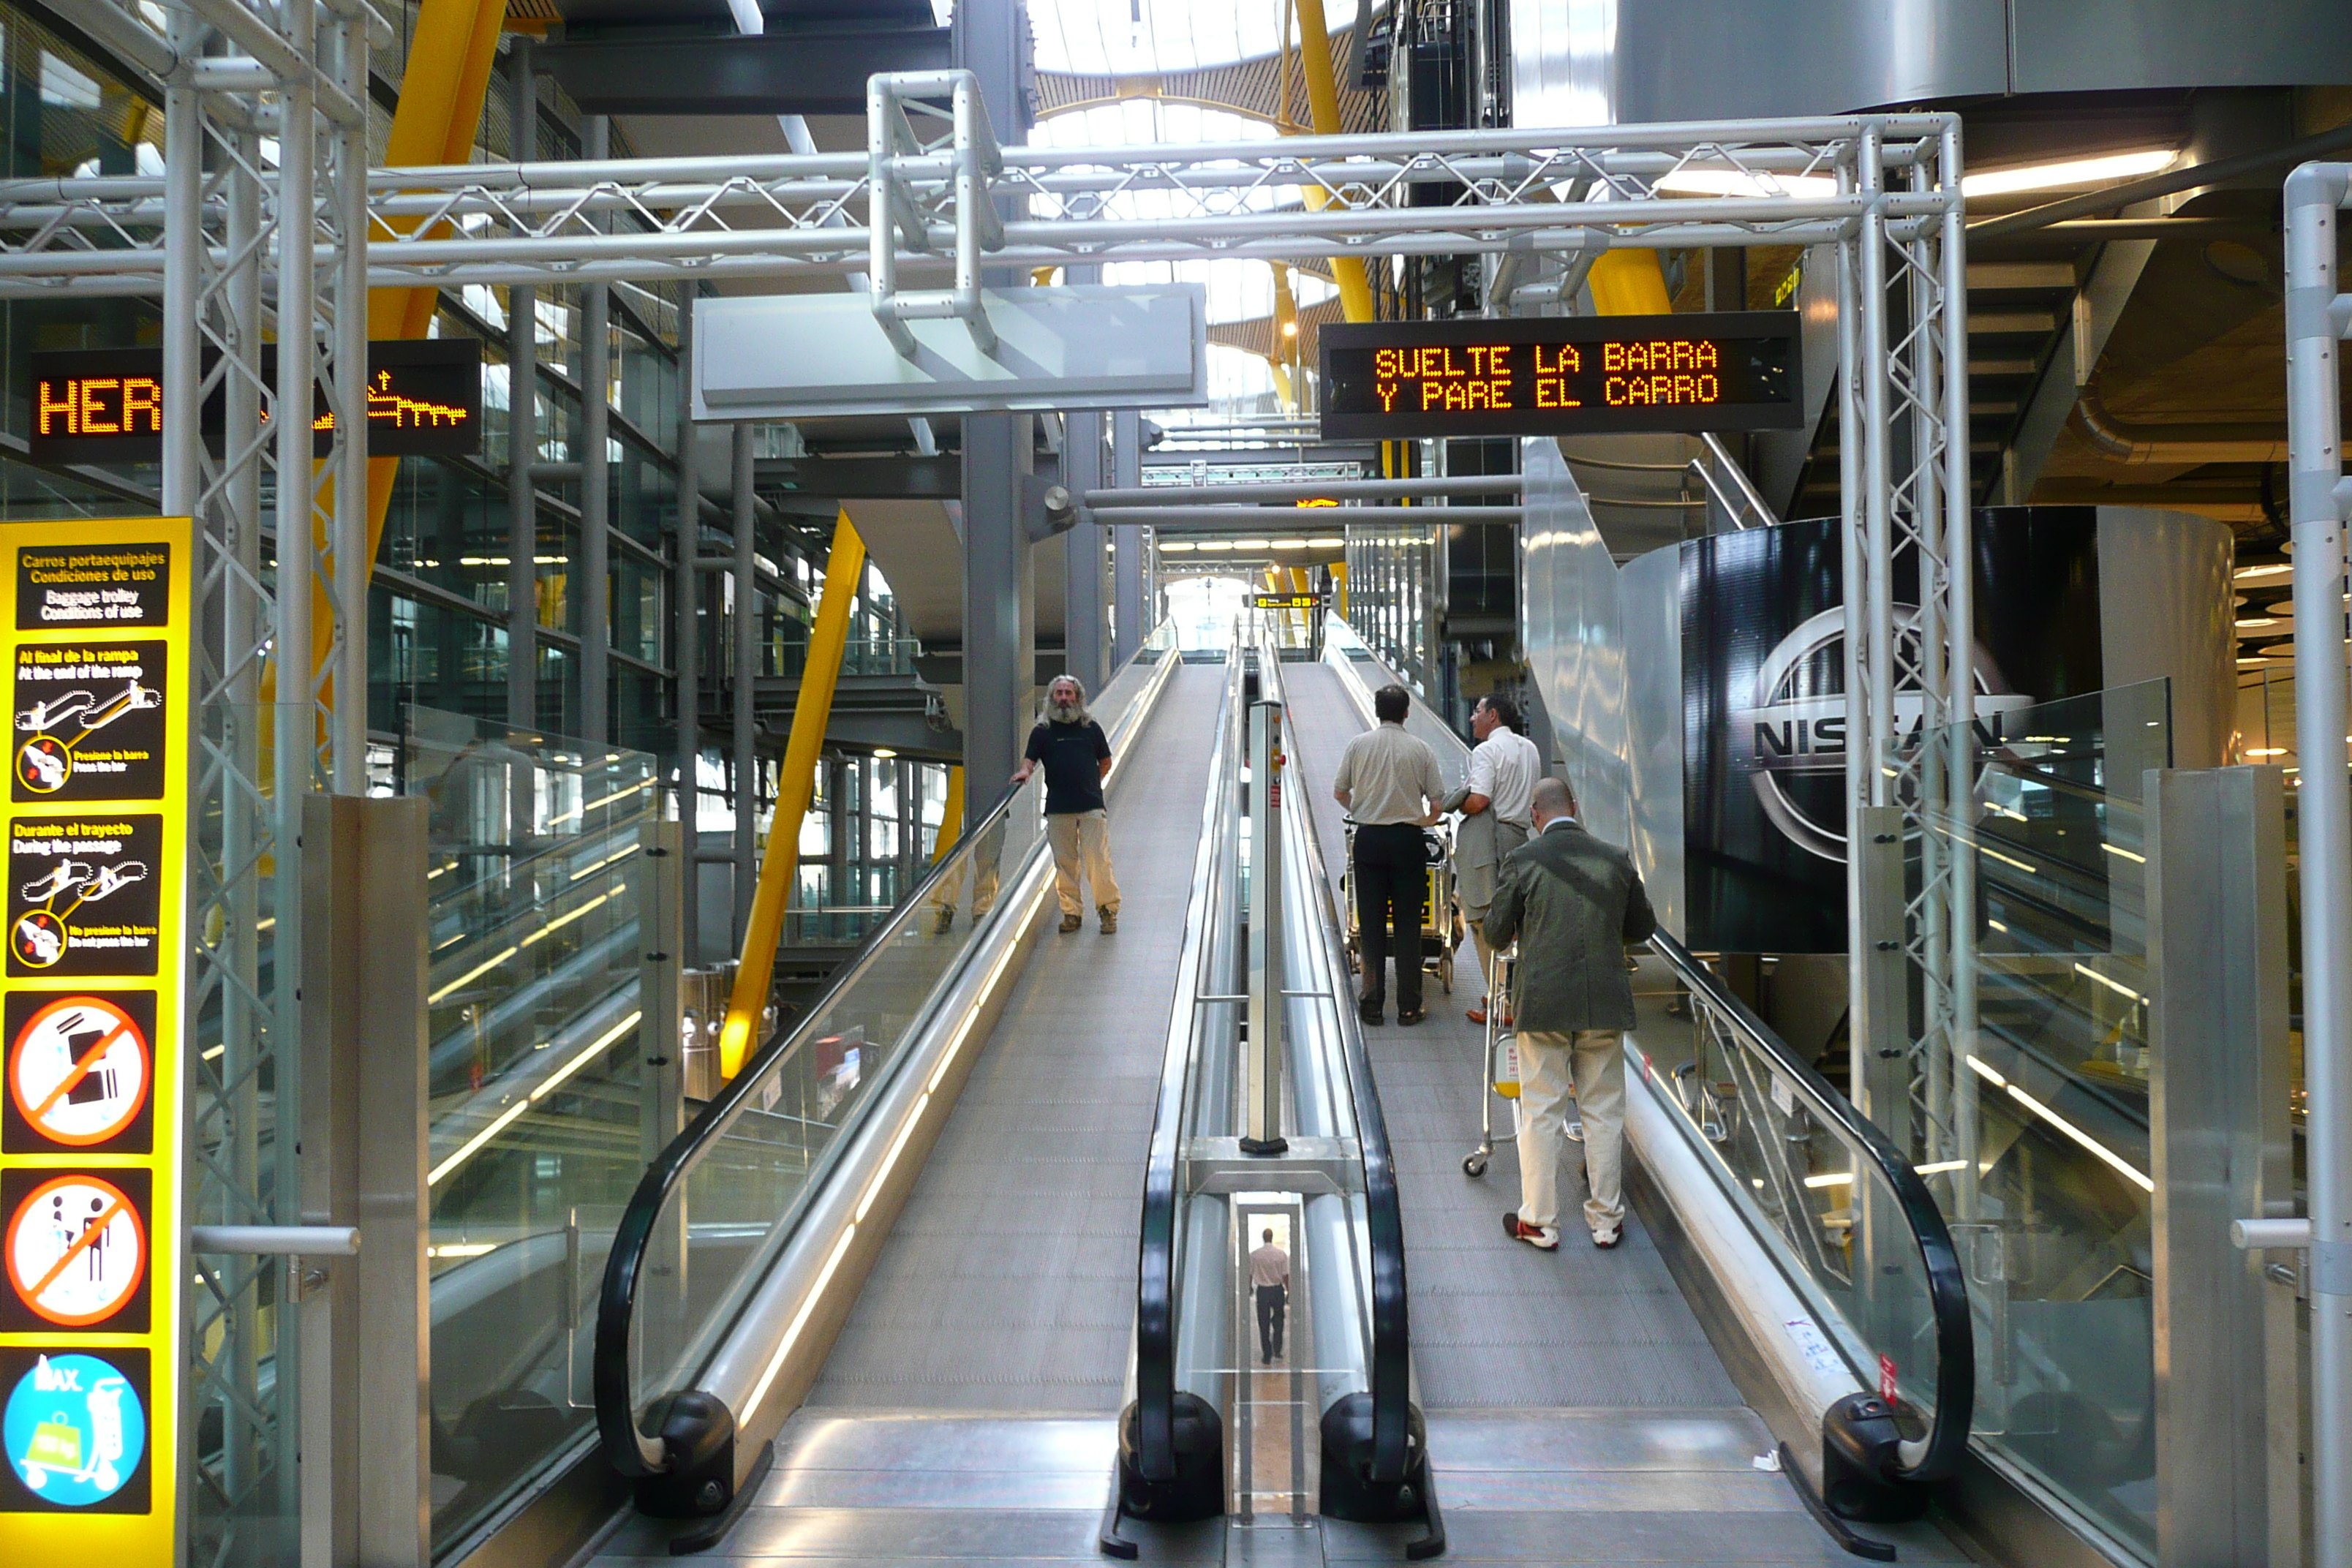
<point>594,575</point>
<point>744,735</point>
<point>353,554</point>
<point>1129,619</point>
<point>522,443</point>
<point>1084,641</point>
<point>1268,1013</point>
<point>999,633</point>
<point>2316,319</point>
<point>685,639</point>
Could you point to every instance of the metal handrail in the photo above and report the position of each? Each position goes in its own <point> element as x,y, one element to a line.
<point>1937,1455</point>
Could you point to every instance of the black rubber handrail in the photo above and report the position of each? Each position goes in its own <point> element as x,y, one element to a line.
<point>1156,1284</point>
<point>1948,1295</point>
<point>1391,1368</point>
<point>616,1425</point>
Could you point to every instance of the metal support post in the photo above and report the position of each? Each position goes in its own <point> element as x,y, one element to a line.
<point>1130,618</point>
<point>743,625</point>
<point>685,639</point>
<point>594,576</point>
<point>366,1327</point>
<point>1268,1012</point>
<point>2225,1335</point>
<point>658,875</point>
<point>1083,630</point>
<point>2316,319</point>
<point>522,441</point>
<point>354,556</point>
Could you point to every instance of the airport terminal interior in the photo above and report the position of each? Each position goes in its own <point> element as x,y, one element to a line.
<point>776,894</point>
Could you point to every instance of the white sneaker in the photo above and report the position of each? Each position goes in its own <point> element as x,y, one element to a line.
<point>1574,1131</point>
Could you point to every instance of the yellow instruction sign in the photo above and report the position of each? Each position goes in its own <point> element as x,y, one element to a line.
<point>95,641</point>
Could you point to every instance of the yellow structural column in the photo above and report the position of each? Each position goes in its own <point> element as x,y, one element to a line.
<point>950,817</point>
<point>440,104</point>
<point>794,784</point>
<point>1323,108</point>
<point>1629,283</point>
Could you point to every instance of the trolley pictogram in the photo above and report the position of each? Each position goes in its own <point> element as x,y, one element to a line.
<point>79,1070</point>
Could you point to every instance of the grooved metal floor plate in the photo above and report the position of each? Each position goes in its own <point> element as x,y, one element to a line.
<point>1008,1283</point>
<point>1496,1324</point>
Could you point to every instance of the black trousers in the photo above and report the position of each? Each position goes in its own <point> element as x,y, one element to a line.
<point>1271,1300</point>
<point>1392,885</point>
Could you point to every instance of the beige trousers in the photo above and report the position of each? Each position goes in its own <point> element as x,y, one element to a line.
<point>1082,838</point>
<point>1591,1062</point>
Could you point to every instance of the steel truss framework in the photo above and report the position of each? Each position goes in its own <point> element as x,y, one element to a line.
<point>1882,192</point>
<point>248,291</point>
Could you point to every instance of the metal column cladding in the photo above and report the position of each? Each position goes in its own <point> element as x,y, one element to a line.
<point>95,626</point>
<point>1764,708</point>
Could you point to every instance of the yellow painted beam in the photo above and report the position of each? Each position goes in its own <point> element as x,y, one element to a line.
<point>794,784</point>
<point>1340,586</point>
<point>950,818</point>
<point>1629,283</point>
<point>440,104</point>
<point>1323,107</point>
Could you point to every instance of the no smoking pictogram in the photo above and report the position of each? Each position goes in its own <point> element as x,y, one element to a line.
<point>77,1250</point>
<point>79,1070</point>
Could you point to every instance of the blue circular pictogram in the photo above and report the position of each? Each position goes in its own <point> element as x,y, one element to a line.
<point>75,1430</point>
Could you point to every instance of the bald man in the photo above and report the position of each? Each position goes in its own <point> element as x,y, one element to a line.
<point>1574,904</point>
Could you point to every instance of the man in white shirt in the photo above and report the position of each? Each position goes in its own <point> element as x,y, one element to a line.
<point>1495,805</point>
<point>1269,1269</point>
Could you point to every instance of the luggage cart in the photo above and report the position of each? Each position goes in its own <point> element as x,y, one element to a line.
<point>1498,1068</point>
<point>1441,926</point>
<point>1498,1064</point>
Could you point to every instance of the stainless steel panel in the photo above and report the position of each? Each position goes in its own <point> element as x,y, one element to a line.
<point>1560,62</point>
<point>1690,59</point>
<point>2224,1334</point>
<point>2066,46</point>
<point>2165,610</point>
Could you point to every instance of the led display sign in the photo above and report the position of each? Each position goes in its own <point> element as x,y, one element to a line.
<point>106,406</point>
<point>1560,375</point>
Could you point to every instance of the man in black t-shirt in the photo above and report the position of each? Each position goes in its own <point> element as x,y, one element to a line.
<point>1076,755</point>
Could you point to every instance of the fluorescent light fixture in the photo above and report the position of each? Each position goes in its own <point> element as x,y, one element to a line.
<point>2266,751</point>
<point>1290,544</point>
<point>1253,544</point>
<point>2263,573</point>
<point>1836,1179</point>
<point>462,1250</point>
<point>2117,986</point>
<point>2104,1153</point>
<point>1937,1167</point>
<point>1326,543</point>
<point>1997,925</point>
<point>1175,547</point>
<point>1732,183</point>
<point>2070,172</point>
<point>2122,854</point>
<point>2250,623</point>
<point>884,753</point>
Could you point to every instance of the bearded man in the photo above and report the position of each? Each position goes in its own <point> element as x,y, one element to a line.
<point>1075,755</point>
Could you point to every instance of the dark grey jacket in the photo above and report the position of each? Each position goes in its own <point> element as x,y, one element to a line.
<point>1574,904</point>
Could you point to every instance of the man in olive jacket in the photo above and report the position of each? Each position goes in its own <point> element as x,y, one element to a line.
<point>1574,904</point>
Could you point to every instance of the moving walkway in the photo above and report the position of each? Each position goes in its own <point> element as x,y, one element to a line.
<point>1788,1300</point>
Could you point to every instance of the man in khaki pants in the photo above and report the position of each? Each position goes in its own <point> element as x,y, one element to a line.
<point>1076,755</point>
<point>1574,904</point>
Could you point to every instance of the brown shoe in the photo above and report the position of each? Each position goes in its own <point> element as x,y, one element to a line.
<point>1477,1015</point>
<point>1109,921</point>
<point>1070,923</point>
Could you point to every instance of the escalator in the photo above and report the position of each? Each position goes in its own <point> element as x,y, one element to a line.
<point>889,1271</point>
<point>1788,1305</point>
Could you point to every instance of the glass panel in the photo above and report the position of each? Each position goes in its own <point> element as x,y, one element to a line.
<point>739,1201</point>
<point>537,1127</point>
<point>2038,1128</point>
